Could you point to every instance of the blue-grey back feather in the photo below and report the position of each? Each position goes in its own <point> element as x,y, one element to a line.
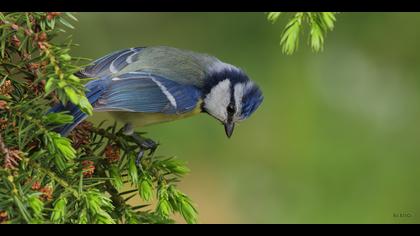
<point>181,66</point>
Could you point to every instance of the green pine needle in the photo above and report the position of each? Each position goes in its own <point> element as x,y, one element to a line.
<point>319,23</point>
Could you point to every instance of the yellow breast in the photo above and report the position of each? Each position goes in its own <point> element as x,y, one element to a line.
<point>140,119</point>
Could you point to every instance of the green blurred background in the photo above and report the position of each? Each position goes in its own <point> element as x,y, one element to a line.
<point>336,139</point>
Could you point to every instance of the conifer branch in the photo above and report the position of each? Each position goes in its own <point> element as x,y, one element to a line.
<point>47,178</point>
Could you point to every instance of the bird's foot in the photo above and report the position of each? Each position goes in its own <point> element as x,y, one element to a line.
<point>144,144</point>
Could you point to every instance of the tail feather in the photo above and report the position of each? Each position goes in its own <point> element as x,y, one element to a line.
<point>95,90</point>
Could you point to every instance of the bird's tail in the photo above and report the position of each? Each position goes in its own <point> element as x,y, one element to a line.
<point>95,90</point>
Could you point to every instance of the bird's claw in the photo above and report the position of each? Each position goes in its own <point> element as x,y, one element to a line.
<point>138,158</point>
<point>148,144</point>
<point>145,145</point>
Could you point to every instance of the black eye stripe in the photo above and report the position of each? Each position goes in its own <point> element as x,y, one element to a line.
<point>231,109</point>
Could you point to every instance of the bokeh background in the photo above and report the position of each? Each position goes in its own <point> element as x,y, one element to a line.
<point>337,138</point>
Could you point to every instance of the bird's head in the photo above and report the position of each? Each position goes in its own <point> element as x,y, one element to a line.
<point>231,96</point>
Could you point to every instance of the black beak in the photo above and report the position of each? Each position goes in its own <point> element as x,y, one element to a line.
<point>229,128</point>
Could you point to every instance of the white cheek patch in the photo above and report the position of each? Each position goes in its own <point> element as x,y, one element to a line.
<point>218,99</point>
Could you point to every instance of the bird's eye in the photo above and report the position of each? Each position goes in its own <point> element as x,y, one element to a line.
<point>231,109</point>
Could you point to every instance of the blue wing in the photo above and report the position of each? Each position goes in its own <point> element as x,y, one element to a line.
<point>110,64</point>
<point>95,90</point>
<point>134,92</point>
<point>145,92</point>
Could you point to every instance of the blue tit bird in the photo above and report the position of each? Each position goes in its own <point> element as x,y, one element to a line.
<point>149,85</point>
